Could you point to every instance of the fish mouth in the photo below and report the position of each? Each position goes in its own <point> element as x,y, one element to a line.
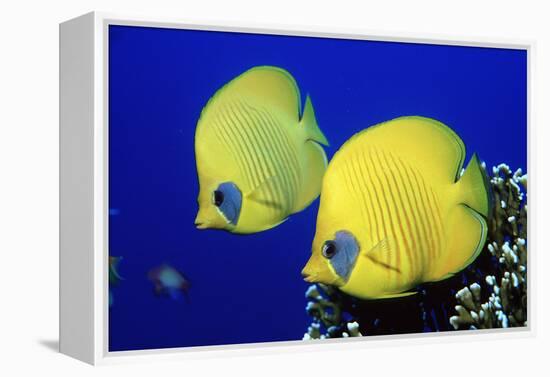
<point>201,225</point>
<point>309,278</point>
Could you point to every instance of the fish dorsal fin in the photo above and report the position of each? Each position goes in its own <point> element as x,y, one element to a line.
<point>425,143</point>
<point>263,85</point>
<point>309,123</point>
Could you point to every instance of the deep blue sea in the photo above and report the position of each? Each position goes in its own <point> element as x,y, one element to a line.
<point>248,288</point>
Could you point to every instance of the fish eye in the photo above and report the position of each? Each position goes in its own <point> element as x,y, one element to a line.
<point>329,249</point>
<point>217,198</point>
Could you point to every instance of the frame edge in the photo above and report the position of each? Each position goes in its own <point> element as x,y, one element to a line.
<point>76,189</point>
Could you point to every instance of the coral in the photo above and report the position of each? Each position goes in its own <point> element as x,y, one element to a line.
<point>506,305</point>
<point>490,293</point>
<point>325,306</point>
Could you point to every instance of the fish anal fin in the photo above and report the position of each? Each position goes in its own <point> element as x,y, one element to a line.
<point>264,227</point>
<point>397,295</point>
<point>444,277</point>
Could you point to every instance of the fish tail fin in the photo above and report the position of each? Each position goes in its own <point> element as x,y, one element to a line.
<point>186,295</point>
<point>175,294</point>
<point>309,123</point>
<point>313,161</point>
<point>467,222</point>
<point>474,188</point>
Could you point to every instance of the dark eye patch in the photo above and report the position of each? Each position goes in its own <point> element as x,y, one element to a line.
<point>345,255</point>
<point>228,198</point>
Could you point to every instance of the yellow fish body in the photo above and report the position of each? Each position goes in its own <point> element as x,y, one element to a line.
<point>258,161</point>
<point>395,211</point>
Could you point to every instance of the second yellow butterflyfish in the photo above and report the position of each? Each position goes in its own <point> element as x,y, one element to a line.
<point>396,211</point>
<point>259,158</point>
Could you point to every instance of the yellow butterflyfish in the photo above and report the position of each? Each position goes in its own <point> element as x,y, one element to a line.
<point>258,157</point>
<point>396,212</point>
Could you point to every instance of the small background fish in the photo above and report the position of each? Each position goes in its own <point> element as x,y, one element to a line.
<point>168,281</point>
<point>114,276</point>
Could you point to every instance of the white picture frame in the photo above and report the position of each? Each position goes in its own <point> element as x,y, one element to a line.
<point>84,187</point>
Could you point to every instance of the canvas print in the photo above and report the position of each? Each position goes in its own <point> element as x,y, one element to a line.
<point>269,188</point>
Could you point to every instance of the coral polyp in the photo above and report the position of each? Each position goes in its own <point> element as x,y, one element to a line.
<point>325,306</point>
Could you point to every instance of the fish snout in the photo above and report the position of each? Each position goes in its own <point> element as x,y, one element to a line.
<point>308,275</point>
<point>309,278</point>
<point>201,222</point>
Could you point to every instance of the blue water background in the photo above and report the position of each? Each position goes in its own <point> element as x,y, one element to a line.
<point>248,288</point>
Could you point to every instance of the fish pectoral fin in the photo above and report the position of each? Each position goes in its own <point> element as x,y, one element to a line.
<point>267,203</point>
<point>377,254</point>
<point>387,245</point>
<point>256,194</point>
<point>383,264</point>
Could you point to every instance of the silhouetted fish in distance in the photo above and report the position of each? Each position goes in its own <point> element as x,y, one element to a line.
<point>168,281</point>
